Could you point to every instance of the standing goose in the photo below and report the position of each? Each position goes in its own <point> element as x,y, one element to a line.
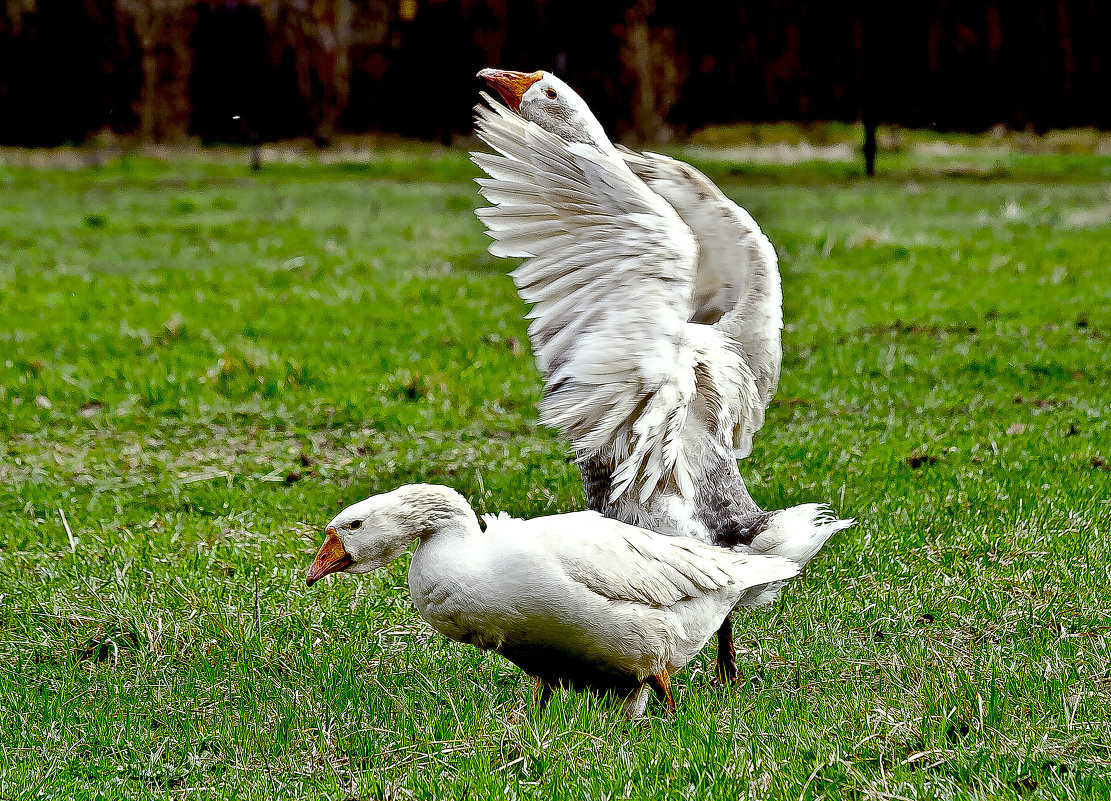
<point>656,317</point>
<point>576,599</point>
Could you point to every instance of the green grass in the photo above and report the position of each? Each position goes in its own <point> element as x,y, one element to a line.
<point>200,366</point>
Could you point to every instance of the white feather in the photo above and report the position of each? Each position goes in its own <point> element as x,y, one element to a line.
<point>799,533</point>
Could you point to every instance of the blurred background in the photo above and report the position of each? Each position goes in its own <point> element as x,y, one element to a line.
<point>251,70</point>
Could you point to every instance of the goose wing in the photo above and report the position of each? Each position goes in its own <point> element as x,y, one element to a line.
<point>737,286</point>
<point>625,563</point>
<point>609,268</point>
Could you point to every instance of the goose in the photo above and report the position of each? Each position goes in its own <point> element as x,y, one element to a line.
<point>655,323</point>
<point>575,599</point>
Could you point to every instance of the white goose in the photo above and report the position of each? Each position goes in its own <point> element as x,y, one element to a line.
<point>656,323</point>
<point>575,599</point>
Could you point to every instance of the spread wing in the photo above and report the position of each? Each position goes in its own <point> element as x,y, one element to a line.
<point>737,286</point>
<point>625,563</point>
<point>609,268</point>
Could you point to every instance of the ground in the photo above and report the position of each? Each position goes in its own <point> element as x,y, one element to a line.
<point>199,365</point>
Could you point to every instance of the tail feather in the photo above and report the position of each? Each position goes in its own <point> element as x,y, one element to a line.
<point>798,533</point>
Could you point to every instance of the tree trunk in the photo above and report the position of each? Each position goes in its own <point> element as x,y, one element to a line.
<point>163,28</point>
<point>649,58</point>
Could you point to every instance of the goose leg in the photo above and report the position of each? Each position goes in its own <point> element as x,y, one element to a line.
<point>661,683</point>
<point>636,703</point>
<point>727,654</point>
<point>541,694</point>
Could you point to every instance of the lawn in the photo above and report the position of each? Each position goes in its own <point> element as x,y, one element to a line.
<point>199,365</point>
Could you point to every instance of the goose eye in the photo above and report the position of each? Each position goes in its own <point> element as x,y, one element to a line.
<point>354,524</point>
<point>551,93</point>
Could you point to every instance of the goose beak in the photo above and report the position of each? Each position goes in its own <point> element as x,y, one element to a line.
<point>331,558</point>
<point>510,85</point>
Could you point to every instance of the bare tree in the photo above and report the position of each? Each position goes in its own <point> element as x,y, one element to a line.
<point>11,18</point>
<point>319,33</point>
<point>164,29</point>
<point>651,64</point>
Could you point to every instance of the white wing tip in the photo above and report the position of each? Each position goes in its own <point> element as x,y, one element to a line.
<point>775,568</point>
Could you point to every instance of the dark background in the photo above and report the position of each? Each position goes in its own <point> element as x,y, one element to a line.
<point>162,70</point>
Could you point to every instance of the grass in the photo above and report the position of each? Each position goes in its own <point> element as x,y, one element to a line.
<point>199,366</point>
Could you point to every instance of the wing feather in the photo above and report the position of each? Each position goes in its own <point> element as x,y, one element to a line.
<point>609,268</point>
<point>737,287</point>
<point>625,563</point>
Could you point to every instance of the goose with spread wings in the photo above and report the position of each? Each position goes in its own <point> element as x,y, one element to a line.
<point>655,322</point>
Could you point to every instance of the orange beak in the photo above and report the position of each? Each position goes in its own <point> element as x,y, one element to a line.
<point>511,85</point>
<point>331,558</point>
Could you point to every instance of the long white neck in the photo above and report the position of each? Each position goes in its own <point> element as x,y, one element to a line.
<point>597,136</point>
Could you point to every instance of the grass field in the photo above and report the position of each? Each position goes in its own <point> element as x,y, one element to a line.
<point>200,365</point>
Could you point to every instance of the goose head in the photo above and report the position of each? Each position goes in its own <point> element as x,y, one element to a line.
<point>374,532</point>
<point>544,99</point>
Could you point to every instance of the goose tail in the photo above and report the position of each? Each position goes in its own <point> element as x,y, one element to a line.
<point>798,533</point>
